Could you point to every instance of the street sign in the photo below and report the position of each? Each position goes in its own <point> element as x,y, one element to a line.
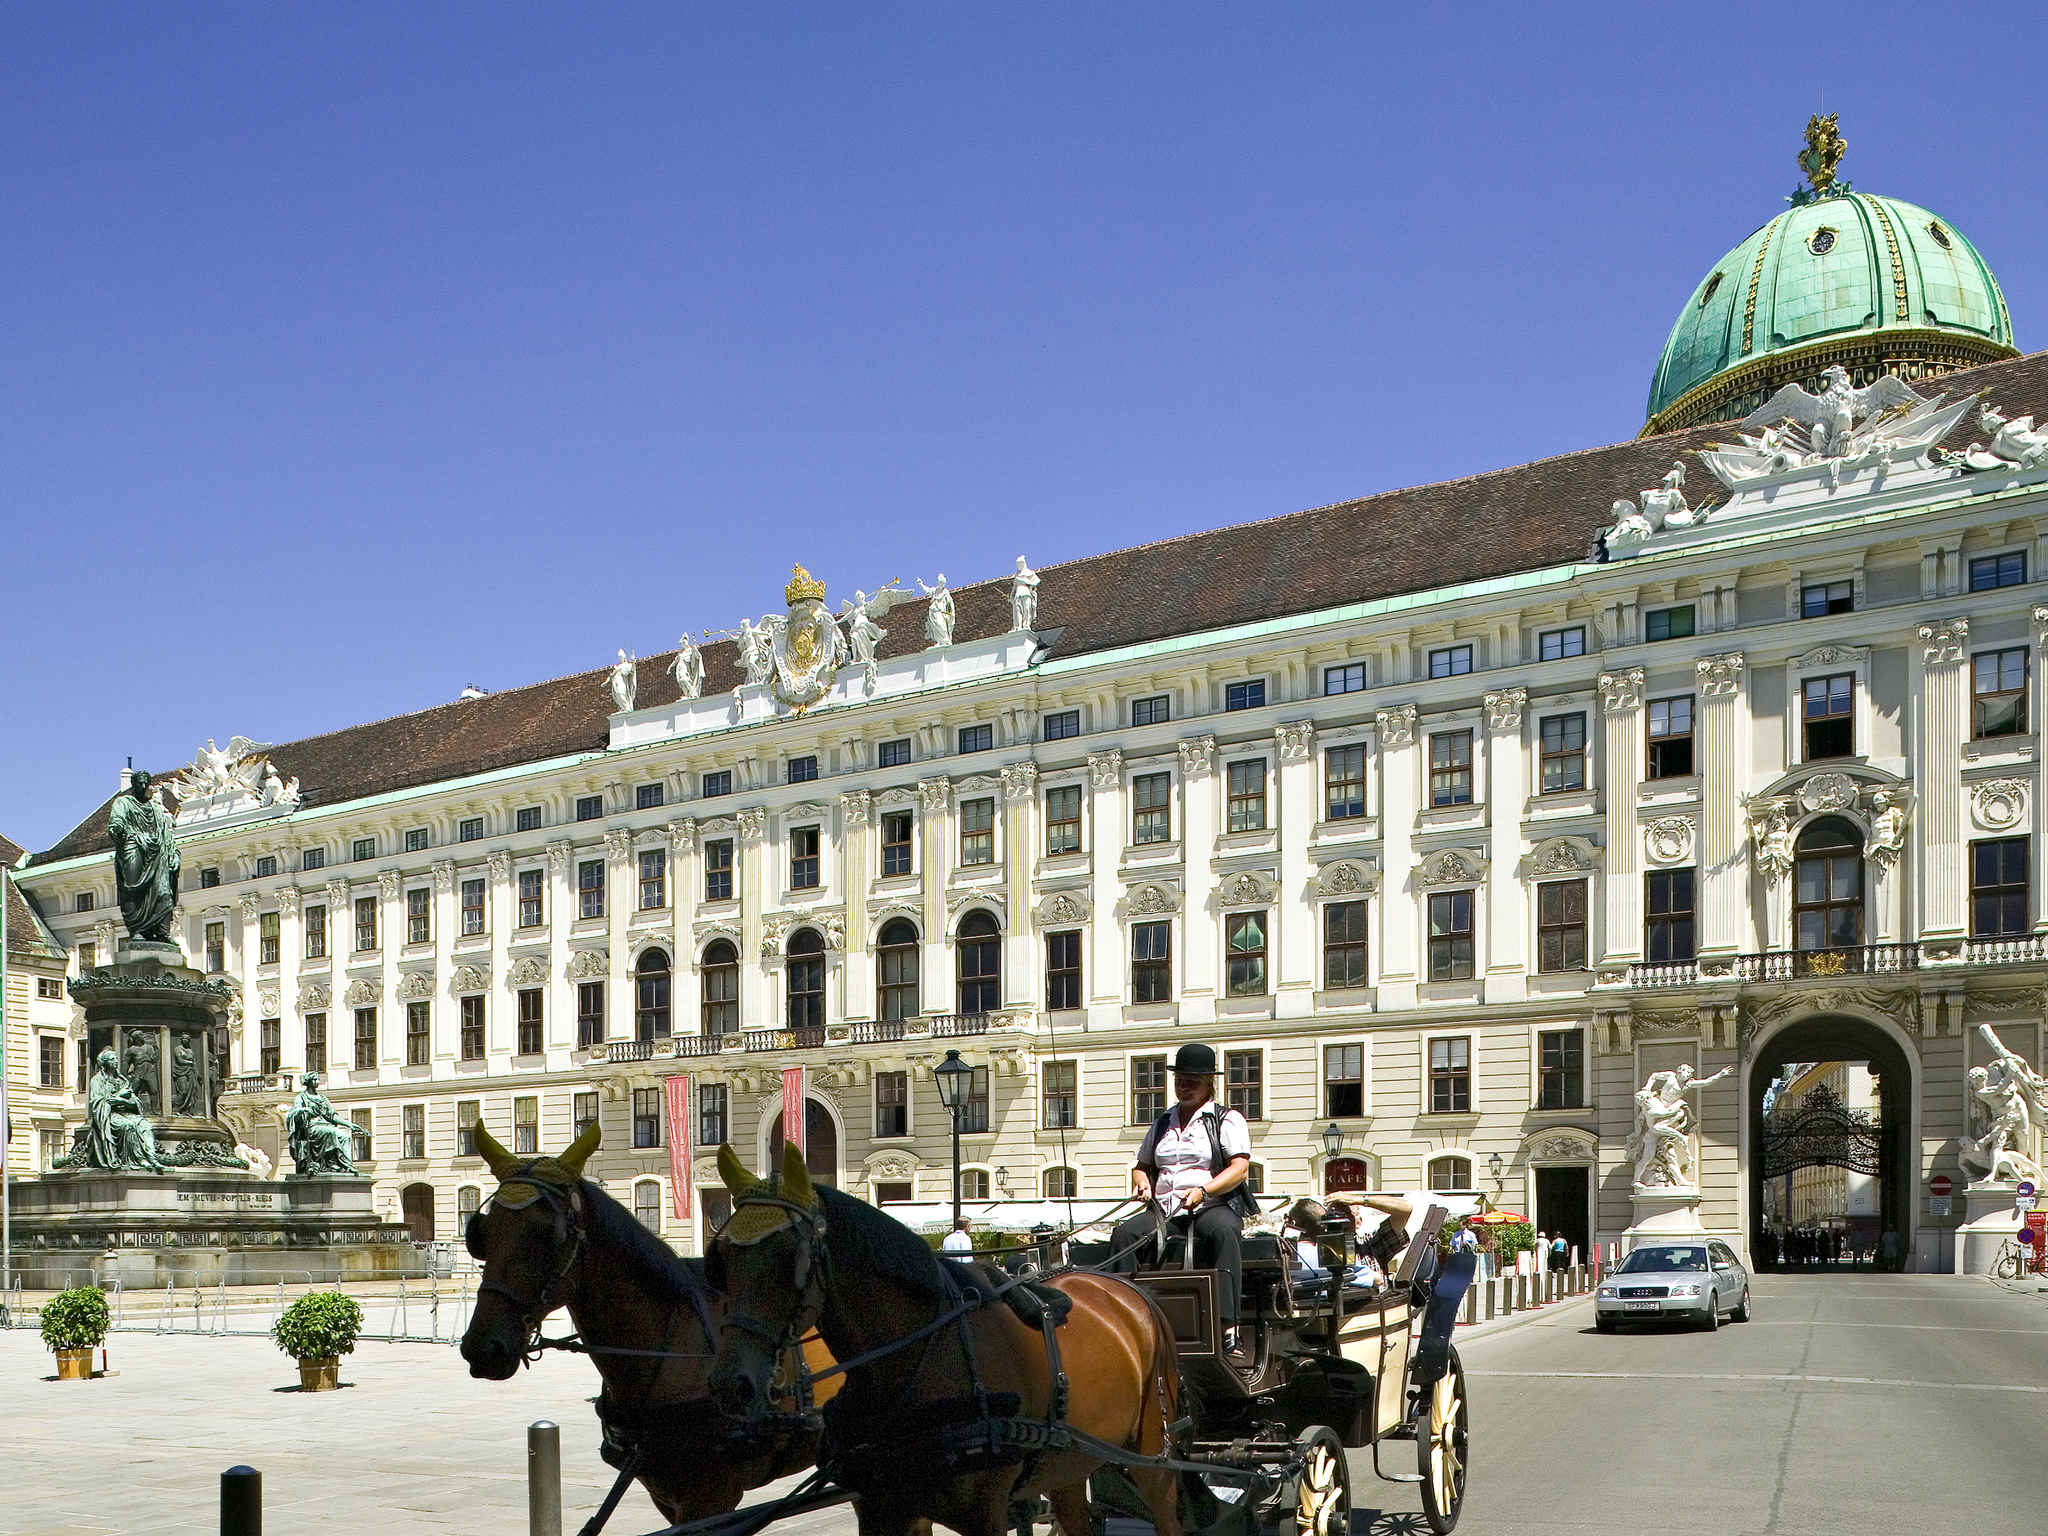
<point>2026,1189</point>
<point>1939,1205</point>
<point>1939,1186</point>
<point>2023,1202</point>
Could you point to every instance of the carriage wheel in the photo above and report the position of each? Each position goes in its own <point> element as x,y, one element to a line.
<point>1322,1493</point>
<point>1441,1439</point>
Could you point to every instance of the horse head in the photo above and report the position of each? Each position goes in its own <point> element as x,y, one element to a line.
<point>769,1262</point>
<point>528,1238</point>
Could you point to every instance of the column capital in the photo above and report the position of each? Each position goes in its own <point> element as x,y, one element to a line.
<point>288,900</point>
<point>752,822</point>
<point>501,865</point>
<point>337,894</point>
<point>682,834</point>
<point>1396,726</point>
<point>1295,739</point>
<point>558,857</point>
<point>855,806</point>
<point>1504,708</point>
<point>1721,676</point>
<point>1944,641</point>
<point>1019,779</point>
<point>935,794</point>
<point>1197,756</point>
<point>1105,769</point>
<point>387,884</point>
<point>1621,691</point>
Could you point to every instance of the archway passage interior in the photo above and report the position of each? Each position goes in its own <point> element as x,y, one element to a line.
<point>821,1143</point>
<point>1819,1128</point>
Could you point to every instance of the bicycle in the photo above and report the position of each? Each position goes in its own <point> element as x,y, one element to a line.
<point>2011,1262</point>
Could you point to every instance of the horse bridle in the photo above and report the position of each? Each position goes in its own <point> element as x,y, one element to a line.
<point>808,1280</point>
<point>567,1211</point>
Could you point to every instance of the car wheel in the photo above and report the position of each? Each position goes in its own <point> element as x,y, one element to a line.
<point>1712,1320</point>
<point>1604,1324</point>
<point>1741,1312</point>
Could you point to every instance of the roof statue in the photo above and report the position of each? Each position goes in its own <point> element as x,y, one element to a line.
<point>146,860</point>
<point>689,668</point>
<point>1665,507</point>
<point>938,614</point>
<point>1841,427</point>
<point>236,778</point>
<point>858,613</point>
<point>2015,444</point>
<point>1023,599</point>
<point>623,681</point>
<point>1824,149</point>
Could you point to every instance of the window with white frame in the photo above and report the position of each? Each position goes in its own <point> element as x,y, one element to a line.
<point>1345,677</point>
<point>1344,1080</point>
<point>1450,661</point>
<point>1561,644</point>
<point>1249,694</point>
<point>1450,1075</point>
<point>1063,819</point>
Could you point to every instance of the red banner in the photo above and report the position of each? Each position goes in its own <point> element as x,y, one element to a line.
<point>793,1107</point>
<point>677,1092</point>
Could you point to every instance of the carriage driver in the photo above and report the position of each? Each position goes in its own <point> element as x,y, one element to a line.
<point>1192,1164</point>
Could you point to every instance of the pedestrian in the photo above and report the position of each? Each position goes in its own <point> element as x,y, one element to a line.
<point>1890,1251</point>
<point>959,1242</point>
<point>1542,1251</point>
<point>1560,1251</point>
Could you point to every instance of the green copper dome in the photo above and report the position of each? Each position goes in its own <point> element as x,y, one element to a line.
<point>1872,283</point>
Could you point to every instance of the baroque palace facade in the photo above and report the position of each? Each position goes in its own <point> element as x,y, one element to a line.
<point>1446,815</point>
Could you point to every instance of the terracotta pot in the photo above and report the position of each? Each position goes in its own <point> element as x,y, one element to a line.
<point>74,1365</point>
<point>320,1375</point>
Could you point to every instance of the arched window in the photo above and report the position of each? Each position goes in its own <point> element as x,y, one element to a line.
<point>1450,1173</point>
<point>468,1201</point>
<point>651,984</point>
<point>721,973</point>
<point>1827,895</point>
<point>647,1203</point>
<point>806,979</point>
<point>896,969</point>
<point>979,945</point>
<point>973,1183</point>
<point>1061,1184</point>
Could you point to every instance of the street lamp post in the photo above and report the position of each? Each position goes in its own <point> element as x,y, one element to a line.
<point>953,1077</point>
<point>1333,1143</point>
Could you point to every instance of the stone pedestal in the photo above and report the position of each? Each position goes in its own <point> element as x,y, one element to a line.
<point>1989,1218</point>
<point>1662,1214</point>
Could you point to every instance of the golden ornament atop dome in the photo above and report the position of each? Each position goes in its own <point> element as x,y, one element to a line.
<point>1825,147</point>
<point>803,587</point>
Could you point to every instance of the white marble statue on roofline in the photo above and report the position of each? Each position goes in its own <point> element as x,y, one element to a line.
<point>623,681</point>
<point>1023,599</point>
<point>234,778</point>
<point>2011,1097</point>
<point>689,668</point>
<point>1842,427</point>
<point>938,614</point>
<point>2015,444</point>
<point>863,635</point>
<point>754,641</point>
<point>1661,1144</point>
<point>1663,507</point>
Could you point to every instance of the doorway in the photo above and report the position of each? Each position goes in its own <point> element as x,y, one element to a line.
<point>417,1202</point>
<point>821,1143</point>
<point>1563,1205</point>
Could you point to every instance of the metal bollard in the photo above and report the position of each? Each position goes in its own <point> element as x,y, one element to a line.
<point>543,1478</point>
<point>241,1502</point>
<point>1492,1297</point>
<point>1471,1306</point>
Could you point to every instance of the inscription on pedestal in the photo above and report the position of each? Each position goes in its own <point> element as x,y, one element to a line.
<point>229,1200</point>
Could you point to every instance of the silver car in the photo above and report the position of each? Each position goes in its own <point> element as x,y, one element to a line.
<point>1694,1279</point>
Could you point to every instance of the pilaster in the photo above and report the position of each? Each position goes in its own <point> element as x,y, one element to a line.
<point>501,897</point>
<point>758,1008</point>
<point>1721,749</point>
<point>291,951</point>
<point>1507,791</point>
<point>618,911</point>
<point>1200,822</point>
<point>856,817</point>
<point>935,845</point>
<point>390,945</point>
<point>2038,712</point>
<point>1020,799</point>
<point>447,929</point>
<point>1394,753</point>
<point>684,883</point>
<point>1942,686</point>
<point>563,905</point>
<point>1621,714</point>
<point>1293,921</point>
<point>1105,968</point>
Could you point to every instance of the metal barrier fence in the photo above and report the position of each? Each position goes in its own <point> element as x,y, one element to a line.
<point>434,1311</point>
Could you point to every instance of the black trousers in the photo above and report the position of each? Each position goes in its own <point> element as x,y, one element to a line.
<point>1218,1235</point>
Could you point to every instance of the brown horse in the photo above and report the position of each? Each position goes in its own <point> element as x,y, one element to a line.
<point>794,1255</point>
<point>550,1238</point>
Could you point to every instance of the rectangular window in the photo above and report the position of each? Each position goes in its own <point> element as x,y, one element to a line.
<point>531,1042</point>
<point>316,932</point>
<point>1343,945</point>
<point>413,1131</point>
<point>1561,925</point>
<point>472,906</point>
<point>1999,904</point>
<point>266,866</point>
<point>1667,916</point>
<point>977,738</point>
<point>1059,1094</point>
<point>1451,661</point>
<point>364,1120</point>
<point>1450,1075</point>
<point>419,1026</point>
<point>419,916</point>
<point>1819,599</point>
<point>1063,969</point>
<point>526,1126</point>
<point>532,904</point>
<point>49,988</point>
<point>1156,709</point>
<point>88,959</point>
<point>1346,677</point>
<point>582,1113</point>
<point>216,947</point>
<point>1152,808</point>
<point>711,1116</point>
<point>647,1203</point>
<point>270,1043</point>
<point>1561,644</point>
<point>892,1104</point>
<point>527,819</point>
<point>712,785</point>
<point>718,869</point>
<point>50,1061</point>
<point>589,1013</point>
<point>896,832</point>
<point>1244,1083</point>
<point>472,1032</point>
<point>1344,1081</point>
<point>416,839</point>
<point>366,923</point>
<point>803,769</point>
<point>1828,712</point>
<point>1668,623</point>
<point>312,858</point>
<point>1344,783</point>
<point>1245,953</point>
<point>1152,962</point>
<point>647,1117</point>
<point>1245,695</point>
<point>647,797</point>
<point>978,831</point>
<point>894,754</point>
<point>1450,768</point>
<point>209,877</point>
<point>82,902</point>
<point>803,858</point>
<point>1564,753</point>
<point>653,879</point>
<point>1247,806</point>
<point>467,1113</point>
<point>1148,1089</point>
<point>1671,738</point>
<point>2006,570</point>
<point>316,1042</point>
<point>1061,724</point>
<point>366,1039</point>
<point>1450,936</point>
<point>590,888</point>
<point>589,807</point>
<point>1560,1069</point>
<point>1063,819</point>
<point>974,1118</point>
<point>1998,687</point>
<point>269,939</point>
<point>470,829</point>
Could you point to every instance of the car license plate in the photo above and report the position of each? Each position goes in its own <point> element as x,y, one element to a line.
<point>1642,1306</point>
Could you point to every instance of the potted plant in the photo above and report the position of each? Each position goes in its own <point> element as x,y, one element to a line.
<point>74,1323</point>
<point>317,1330</point>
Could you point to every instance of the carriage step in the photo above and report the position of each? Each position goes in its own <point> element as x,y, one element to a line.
<point>1401,1477</point>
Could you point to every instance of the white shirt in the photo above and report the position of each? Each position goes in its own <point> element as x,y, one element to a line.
<point>958,1242</point>
<point>1183,1152</point>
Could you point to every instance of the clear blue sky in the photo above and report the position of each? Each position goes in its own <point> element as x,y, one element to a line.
<point>354,354</point>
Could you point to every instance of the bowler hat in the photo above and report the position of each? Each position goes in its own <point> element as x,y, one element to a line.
<point>1194,1060</point>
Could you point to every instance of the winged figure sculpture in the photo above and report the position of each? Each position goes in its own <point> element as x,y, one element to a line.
<point>1840,427</point>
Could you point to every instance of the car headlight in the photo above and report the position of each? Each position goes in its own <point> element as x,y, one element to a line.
<point>1685,1290</point>
<point>1606,1292</point>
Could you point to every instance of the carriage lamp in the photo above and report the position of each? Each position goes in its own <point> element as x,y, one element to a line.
<point>1493,1166</point>
<point>1333,1139</point>
<point>953,1077</point>
<point>1003,1180</point>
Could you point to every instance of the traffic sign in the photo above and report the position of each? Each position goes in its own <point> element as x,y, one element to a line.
<point>2027,1236</point>
<point>1939,1205</point>
<point>1939,1185</point>
<point>2026,1189</point>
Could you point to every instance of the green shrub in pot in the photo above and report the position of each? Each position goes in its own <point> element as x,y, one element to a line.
<point>76,1319</point>
<point>321,1325</point>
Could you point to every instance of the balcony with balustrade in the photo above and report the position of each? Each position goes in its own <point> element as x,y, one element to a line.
<point>1863,960</point>
<point>802,1041</point>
